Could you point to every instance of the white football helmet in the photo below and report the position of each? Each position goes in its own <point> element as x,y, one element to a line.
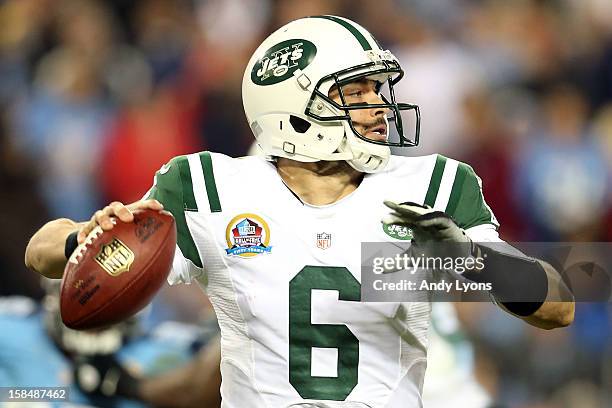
<point>286,85</point>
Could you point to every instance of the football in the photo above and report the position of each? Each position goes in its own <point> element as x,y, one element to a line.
<point>114,274</point>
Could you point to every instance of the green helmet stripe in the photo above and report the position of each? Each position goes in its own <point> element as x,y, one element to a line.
<point>365,44</point>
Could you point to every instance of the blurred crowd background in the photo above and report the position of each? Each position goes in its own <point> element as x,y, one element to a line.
<point>96,95</point>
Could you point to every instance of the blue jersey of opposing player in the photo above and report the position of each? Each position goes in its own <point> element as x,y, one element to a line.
<point>29,357</point>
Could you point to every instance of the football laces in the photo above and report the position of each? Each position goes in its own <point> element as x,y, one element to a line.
<point>79,251</point>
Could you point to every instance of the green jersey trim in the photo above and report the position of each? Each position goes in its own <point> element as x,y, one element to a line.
<point>436,180</point>
<point>189,202</point>
<point>209,179</point>
<point>466,204</point>
<point>365,44</point>
<point>173,188</point>
<point>453,200</point>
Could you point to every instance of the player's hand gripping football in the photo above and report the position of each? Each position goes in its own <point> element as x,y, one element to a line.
<point>104,217</point>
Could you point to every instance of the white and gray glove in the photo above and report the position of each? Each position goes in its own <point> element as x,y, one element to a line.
<point>435,234</point>
<point>427,224</point>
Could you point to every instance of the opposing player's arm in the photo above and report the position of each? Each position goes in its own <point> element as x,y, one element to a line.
<point>194,385</point>
<point>47,251</point>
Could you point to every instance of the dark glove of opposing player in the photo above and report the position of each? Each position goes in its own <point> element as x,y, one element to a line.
<point>103,375</point>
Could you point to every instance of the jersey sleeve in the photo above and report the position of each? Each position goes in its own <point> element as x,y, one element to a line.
<point>466,204</point>
<point>172,187</point>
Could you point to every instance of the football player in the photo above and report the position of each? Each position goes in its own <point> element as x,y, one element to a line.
<point>99,368</point>
<point>275,242</point>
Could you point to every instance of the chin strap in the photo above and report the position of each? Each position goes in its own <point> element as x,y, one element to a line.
<point>360,155</point>
<point>367,163</point>
<point>366,157</point>
<point>300,153</point>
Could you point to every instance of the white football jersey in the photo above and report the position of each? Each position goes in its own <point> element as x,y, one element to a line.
<point>284,277</point>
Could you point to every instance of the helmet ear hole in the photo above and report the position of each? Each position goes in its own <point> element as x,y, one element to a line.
<point>299,125</point>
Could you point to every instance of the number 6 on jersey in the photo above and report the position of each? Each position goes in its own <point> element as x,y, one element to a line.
<point>304,336</point>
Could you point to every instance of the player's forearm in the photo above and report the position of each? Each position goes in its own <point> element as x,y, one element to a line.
<point>526,287</point>
<point>193,385</point>
<point>45,251</point>
<point>558,309</point>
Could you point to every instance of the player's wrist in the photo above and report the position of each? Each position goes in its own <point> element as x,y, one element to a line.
<point>71,243</point>
<point>517,282</point>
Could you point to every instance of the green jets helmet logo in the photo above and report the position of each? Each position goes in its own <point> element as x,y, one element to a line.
<point>400,232</point>
<point>281,61</point>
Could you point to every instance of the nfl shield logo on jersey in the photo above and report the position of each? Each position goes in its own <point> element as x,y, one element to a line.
<point>323,240</point>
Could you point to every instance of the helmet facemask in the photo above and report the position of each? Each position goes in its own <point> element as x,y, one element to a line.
<point>390,127</point>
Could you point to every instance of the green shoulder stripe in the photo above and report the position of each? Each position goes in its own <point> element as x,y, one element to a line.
<point>209,180</point>
<point>466,203</point>
<point>189,202</point>
<point>173,188</point>
<point>436,179</point>
<point>453,200</point>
